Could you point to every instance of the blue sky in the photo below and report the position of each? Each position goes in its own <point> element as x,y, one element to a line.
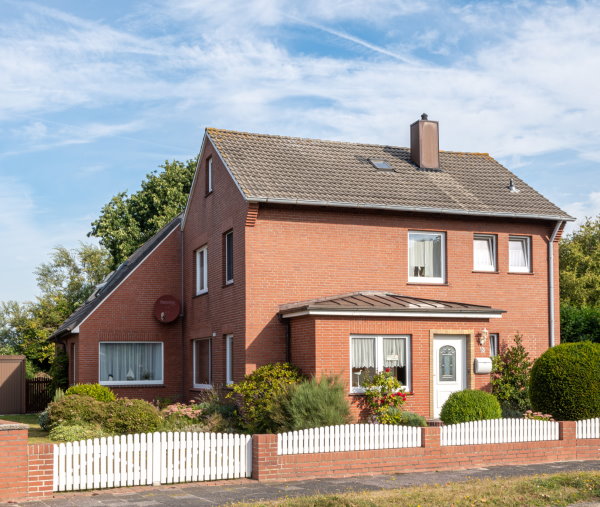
<point>95,94</point>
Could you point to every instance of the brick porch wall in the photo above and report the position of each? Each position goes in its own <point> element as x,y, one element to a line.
<point>268,466</point>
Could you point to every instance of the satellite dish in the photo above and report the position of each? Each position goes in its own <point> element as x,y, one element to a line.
<point>166,309</point>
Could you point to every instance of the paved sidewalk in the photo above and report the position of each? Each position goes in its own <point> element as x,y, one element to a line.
<point>244,490</point>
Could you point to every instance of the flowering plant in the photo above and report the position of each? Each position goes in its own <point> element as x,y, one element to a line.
<point>537,416</point>
<point>384,397</point>
<point>182,410</point>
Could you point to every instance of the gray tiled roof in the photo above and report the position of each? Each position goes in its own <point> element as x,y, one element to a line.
<point>113,280</point>
<point>377,301</point>
<point>311,171</point>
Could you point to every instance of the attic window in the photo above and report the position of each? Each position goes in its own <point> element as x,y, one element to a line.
<point>382,165</point>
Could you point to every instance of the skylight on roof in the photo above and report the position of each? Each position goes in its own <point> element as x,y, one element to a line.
<point>381,164</point>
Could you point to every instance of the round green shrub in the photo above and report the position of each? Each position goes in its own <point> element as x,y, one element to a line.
<point>76,409</point>
<point>470,405</point>
<point>565,381</point>
<point>260,394</point>
<point>314,403</point>
<point>412,419</point>
<point>44,421</point>
<point>96,391</point>
<point>132,416</point>
<point>73,432</point>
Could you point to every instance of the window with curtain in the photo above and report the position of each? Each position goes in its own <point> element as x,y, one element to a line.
<point>372,354</point>
<point>519,254</point>
<point>484,252</point>
<point>131,363</point>
<point>202,363</point>
<point>202,270</point>
<point>426,257</point>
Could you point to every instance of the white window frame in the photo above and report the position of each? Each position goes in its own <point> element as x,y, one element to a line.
<point>126,383</point>
<point>379,357</point>
<point>209,176</point>
<point>228,281</point>
<point>429,279</point>
<point>495,338</point>
<point>526,240</point>
<point>491,238</point>
<point>210,358</point>
<point>202,252</point>
<point>228,359</point>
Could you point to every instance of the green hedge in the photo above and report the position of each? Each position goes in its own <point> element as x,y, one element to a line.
<point>565,381</point>
<point>470,405</point>
<point>96,391</point>
<point>578,324</point>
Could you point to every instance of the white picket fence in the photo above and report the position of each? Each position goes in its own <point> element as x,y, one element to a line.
<point>348,437</point>
<point>588,428</point>
<point>498,431</point>
<point>151,458</point>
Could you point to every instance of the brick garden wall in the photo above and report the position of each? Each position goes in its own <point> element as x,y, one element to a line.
<point>268,466</point>
<point>25,470</point>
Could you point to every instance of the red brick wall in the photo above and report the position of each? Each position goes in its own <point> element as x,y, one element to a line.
<point>298,253</point>
<point>128,315</point>
<point>25,470</point>
<point>268,466</point>
<point>221,311</point>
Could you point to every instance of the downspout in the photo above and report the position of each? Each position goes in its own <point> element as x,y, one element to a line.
<point>181,323</point>
<point>551,316</point>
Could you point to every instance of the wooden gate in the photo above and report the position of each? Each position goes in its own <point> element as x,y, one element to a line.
<point>38,394</point>
<point>12,385</point>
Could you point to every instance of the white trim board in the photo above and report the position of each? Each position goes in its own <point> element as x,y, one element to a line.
<point>366,313</point>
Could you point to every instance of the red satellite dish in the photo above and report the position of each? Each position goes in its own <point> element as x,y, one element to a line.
<point>166,308</point>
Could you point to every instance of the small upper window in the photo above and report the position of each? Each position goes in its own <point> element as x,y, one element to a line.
<point>209,176</point>
<point>519,253</point>
<point>426,257</point>
<point>484,252</point>
<point>202,270</point>
<point>229,257</point>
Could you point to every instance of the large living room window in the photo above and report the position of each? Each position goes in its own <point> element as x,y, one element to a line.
<point>202,363</point>
<point>426,257</point>
<point>372,354</point>
<point>484,252</point>
<point>519,254</point>
<point>135,363</point>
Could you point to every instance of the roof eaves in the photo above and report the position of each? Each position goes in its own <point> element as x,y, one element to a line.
<point>445,211</point>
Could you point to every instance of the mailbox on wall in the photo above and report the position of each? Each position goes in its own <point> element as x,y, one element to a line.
<point>483,365</point>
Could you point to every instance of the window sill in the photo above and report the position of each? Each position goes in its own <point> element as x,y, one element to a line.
<point>520,273</point>
<point>199,294</point>
<point>133,384</point>
<point>208,193</point>
<point>485,271</point>
<point>201,387</point>
<point>428,284</point>
<point>228,284</point>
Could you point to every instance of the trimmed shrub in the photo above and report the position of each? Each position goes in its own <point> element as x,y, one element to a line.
<point>96,391</point>
<point>131,416</point>
<point>314,403</point>
<point>565,381</point>
<point>260,393</point>
<point>73,432</point>
<point>412,419</point>
<point>470,405</point>
<point>76,409</point>
<point>578,324</point>
<point>44,421</point>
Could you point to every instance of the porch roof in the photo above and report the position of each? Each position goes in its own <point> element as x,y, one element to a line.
<point>387,304</point>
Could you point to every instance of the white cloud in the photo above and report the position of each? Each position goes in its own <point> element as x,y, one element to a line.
<point>587,208</point>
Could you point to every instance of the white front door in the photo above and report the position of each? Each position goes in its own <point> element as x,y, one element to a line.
<point>449,368</point>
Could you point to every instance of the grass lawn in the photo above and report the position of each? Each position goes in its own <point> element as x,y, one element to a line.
<point>541,490</point>
<point>36,434</point>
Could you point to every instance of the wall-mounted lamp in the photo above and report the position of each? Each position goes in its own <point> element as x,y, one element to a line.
<point>483,336</point>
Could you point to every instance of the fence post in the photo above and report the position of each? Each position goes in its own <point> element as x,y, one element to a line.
<point>567,434</point>
<point>265,461</point>
<point>430,437</point>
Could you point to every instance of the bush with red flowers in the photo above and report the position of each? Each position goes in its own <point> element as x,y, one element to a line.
<point>384,397</point>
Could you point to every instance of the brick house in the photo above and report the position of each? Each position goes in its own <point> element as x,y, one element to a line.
<point>341,258</point>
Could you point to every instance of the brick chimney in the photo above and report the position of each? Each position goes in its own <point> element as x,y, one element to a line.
<point>425,143</point>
